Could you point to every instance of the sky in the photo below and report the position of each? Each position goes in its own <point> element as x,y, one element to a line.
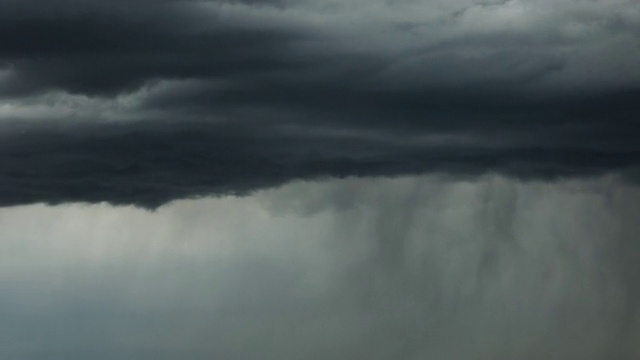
<point>297,179</point>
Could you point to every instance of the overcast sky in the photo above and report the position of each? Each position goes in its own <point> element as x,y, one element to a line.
<point>143,102</point>
<point>319,179</point>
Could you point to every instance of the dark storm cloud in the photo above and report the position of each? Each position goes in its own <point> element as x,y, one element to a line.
<point>103,53</point>
<point>148,166</point>
<point>255,93</point>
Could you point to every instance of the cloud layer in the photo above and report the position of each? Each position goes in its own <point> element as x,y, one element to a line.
<point>153,100</point>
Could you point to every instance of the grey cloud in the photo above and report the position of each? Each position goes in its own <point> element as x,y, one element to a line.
<point>177,39</point>
<point>103,53</point>
<point>150,165</point>
<point>308,89</point>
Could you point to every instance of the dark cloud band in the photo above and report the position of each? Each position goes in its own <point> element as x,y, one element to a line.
<point>281,90</point>
<point>148,166</point>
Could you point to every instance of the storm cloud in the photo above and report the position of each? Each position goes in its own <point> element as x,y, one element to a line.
<point>319,179</point>
<point>150,101</point>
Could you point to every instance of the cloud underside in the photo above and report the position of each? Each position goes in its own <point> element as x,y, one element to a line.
<point>158,100</point>
<point>151,166</point>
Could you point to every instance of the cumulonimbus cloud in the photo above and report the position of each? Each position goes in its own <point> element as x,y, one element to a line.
<point>262,92</point>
